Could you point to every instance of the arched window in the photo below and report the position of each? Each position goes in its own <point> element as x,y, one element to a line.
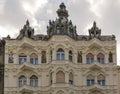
<point>100,58</point>
<point>43,60</point>
<point>101,80</point>
<point>90,80</point>
<point>60,77</point>
<point>79,58</point>
<point>22,80</point>
<point>71,78</point>
<point>22,58</point>
<point>70,56</point>
<point>33,81</point>
<point>89,58</point>
<point>60,54</point>
<point>33,58</point>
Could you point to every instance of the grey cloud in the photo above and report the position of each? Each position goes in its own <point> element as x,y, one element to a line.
<point>13,15</point>
<point>79,11</point>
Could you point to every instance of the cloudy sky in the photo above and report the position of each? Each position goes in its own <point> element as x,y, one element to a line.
<point>14,13</point>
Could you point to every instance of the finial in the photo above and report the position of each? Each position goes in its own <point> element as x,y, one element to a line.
<point>62,5</point>
<point>62,12</point>
<point>94,24</point>
<point>8,36</point>
<point>27,22</point>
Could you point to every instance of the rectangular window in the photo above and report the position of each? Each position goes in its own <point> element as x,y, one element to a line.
<point>22,59</point>
<point>70,58</point>
<point>100,60</point>
<point>34,60</point>
<point>90,82</point>
<point>89,60</point>
<point>58,57</point>
<point>62,56</point>
<point>101,82</point>
<point>43,59</point>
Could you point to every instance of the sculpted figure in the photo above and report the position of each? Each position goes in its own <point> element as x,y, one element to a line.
<point>10,59</point>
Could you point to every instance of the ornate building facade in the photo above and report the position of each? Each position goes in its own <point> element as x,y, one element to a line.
<point>61,62</point>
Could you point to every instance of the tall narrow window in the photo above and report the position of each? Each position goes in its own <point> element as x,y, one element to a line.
<point>22,80</point>
<point>79,57</point>
<point>33,58</point>
<point>71,78</point>
<point>22,58</point>
<point>90,80</point>
<point>100,58</point>
<point>89,58</point>
<point>51,78</point>
<point>43,57</point>
<point>70,56</point>
<point>101,80</point>
<point>60,54</point>
<point>51,55</point>
<point>33,81</point>
<point>60,77</point>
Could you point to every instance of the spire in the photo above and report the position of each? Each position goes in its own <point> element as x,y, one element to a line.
<point>94,31</point>
<point>62,12</point>
<point>94,24</point>
<point>27,22</point>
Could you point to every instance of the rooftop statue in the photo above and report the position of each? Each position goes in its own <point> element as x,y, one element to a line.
<point>94,31</point>
<point>26,31</point>
<point>62,26</point>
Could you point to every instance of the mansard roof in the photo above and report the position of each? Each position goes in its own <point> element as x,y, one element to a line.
<point>62,26</point>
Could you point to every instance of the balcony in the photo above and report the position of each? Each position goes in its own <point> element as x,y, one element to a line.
<point>27,89</point>
<point>27,66</point>
<point>99,87</point>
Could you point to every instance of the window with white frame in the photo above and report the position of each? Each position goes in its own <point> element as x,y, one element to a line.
<point>90,80</point>
<point>33,58</point>
<point>89,58</point>
<point>100,58</point>
<point>101,80</point>
<point>22,80</point>
<point>60,54</point>
<point>22,58</point>
<point>33,81</point>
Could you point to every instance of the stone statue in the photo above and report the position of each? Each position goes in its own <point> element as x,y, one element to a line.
<point>110,57</point>
<point>80,57</point>
<point>10,59</point>
<point>94,31</point>
<point>26,31</point>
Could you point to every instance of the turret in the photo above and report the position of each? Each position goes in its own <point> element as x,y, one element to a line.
<point>62,26</point>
